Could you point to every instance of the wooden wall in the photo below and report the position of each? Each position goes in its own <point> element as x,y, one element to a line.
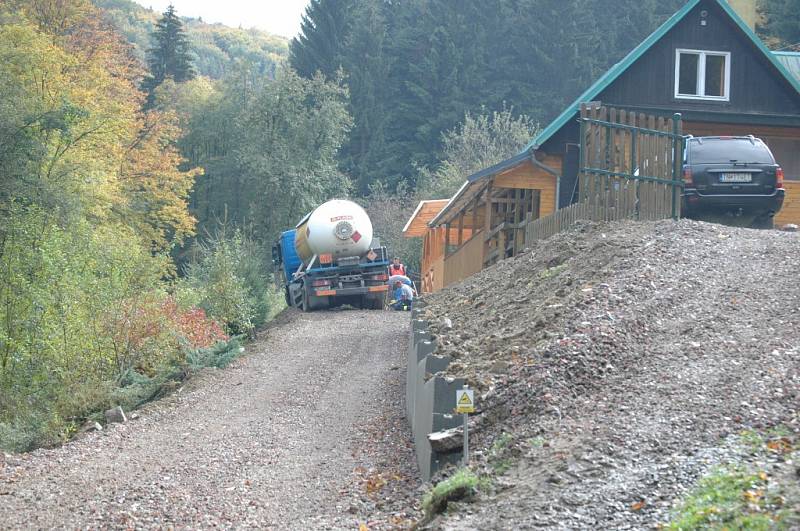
<point>529,176</point>
<point>756,85</point>
<point>466,261</point>
<point>790,212</point>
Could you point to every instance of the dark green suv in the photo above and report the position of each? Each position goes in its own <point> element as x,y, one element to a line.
<point>734,176</point>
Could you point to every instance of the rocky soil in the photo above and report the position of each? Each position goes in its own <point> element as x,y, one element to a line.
<point>304,432</point>
<point>618,363</point>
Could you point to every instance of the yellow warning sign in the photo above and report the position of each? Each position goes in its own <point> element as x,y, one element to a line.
<point>465,402</point>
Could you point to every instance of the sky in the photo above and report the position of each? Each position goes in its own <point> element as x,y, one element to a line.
<point>281,17</point>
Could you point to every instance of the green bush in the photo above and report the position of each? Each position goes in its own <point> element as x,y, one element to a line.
<point>85,324</point>
<point>71,302</point>
<point>229,280</point>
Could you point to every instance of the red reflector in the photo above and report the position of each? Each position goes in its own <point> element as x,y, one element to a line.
<point>379,288</point>
<point>687,176</point>
<point>779,178</point>
<point>318,283</point>
<point>325,292</point>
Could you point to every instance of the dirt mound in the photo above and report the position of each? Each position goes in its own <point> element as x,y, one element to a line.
<point>617,360</point>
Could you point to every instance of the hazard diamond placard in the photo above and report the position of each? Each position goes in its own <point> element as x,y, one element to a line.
<point>464,401</point>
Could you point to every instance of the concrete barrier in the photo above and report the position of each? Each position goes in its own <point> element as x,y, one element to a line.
<point>430,399</point>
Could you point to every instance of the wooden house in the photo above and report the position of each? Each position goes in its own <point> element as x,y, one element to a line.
<point>484,221</point>
<point>704,62</point>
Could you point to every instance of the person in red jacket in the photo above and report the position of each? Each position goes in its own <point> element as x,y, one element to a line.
<point>396,268</point>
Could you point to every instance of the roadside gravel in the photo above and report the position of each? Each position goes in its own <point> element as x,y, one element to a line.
<point>621,361</point>
<point>305,432</point>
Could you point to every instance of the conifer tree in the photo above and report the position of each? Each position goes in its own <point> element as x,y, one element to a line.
<point>781,21</point>
<point>323,31</point>
<point>170,56</point>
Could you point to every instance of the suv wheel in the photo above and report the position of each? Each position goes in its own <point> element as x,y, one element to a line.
<point>765,223</point>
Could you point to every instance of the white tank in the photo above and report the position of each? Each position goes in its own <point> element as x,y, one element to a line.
<point>339,228</point>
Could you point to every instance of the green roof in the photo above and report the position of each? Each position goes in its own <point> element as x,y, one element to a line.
<point>618,69</point>
<point>790,61</point>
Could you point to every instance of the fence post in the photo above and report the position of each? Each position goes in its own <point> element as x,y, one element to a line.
<point>634,140</point>
<point>677,163</point>
<point>581,154</point>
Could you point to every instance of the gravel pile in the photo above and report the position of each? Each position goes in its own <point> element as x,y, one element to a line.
<point>621,361</point>
<point>305,432</point>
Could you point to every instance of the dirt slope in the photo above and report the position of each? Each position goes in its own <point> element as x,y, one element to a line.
<point>306,431</point>
<point>621,361</point>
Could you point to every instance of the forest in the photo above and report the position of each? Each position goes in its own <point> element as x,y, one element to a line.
<point>148,162</point>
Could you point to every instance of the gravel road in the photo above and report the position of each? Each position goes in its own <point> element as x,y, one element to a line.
<point>305,431</point>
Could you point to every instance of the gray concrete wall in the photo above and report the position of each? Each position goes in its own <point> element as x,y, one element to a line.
<point>430,399</point>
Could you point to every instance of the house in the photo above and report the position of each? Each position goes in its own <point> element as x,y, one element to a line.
<point>704,62</point>
<point>707,64</point>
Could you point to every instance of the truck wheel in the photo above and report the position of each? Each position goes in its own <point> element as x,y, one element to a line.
<point>306,304</point>
<point>287,296</point>
<point>373,304</point>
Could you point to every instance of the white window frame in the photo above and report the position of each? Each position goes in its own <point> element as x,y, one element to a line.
<point>701,75</point>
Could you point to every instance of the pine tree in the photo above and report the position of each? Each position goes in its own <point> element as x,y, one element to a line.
<point>781,21</point>
<point>367,67</point>
<point>170,57</point>
<point>323,31</point>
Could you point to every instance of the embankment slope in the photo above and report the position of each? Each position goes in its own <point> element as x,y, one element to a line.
<point>622,361</point>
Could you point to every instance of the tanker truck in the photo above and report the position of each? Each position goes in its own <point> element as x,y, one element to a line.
<point>330,259</point>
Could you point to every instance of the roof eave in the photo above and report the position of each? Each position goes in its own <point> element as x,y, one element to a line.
<point>477,176</point>
<point>610,76</point>
<point>618,69</point>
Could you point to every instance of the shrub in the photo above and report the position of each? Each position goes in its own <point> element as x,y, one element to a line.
<point>229,281</point>
<point>81,309</point>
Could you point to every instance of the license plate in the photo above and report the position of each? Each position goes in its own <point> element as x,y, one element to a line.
<point>736,177</point>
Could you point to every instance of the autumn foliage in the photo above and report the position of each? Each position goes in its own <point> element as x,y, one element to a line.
<point>93,197</point>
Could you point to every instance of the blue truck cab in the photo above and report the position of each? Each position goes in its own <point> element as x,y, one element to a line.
<point>356,280</point>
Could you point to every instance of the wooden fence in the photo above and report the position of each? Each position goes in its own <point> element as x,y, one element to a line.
<point>630,168</point>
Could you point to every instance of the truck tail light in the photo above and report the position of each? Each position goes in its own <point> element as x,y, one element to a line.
<point>381,277</point>
<point>321,283</point>
<point>687,177</point>
<point>779,177</point>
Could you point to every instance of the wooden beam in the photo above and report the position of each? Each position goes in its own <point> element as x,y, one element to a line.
<point>461,228</point>
<point>475,213</point>
<point>487,222</point>
<point>446,238</point>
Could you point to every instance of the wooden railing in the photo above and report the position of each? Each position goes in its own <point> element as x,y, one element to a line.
<point>615,207</point>
<point>465,261</point>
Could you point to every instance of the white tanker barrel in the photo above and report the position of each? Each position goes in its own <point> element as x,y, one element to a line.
<point>339,228</point>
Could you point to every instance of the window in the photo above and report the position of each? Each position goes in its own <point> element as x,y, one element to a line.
<point>702,75</point>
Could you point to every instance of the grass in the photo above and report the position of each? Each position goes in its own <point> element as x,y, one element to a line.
<point>536,442</point>
<point>729,497</point>
<point>499,463</point>
<point>550,272</point>
<point>738,496</point>
<point>461,485</point>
